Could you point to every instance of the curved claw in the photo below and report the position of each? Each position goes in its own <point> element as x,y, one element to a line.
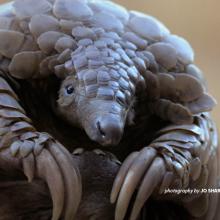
<point>132,180</point>
<point>166,182</point>
<point>29,166</point>
<point>54,165</point>
<point>72,182</point>
<point>121,176</point>
<point>48,170</point>
<point>151,180</point>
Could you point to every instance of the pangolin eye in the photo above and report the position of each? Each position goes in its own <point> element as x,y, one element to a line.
<point>69,89</point>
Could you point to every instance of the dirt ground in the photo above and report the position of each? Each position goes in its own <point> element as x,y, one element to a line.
<point>199,22</point>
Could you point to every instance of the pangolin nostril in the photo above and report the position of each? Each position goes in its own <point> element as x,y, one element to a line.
<point>100,129</point>
<point>108,129</point>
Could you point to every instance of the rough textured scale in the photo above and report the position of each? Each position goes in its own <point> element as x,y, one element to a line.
<point>123,78</point>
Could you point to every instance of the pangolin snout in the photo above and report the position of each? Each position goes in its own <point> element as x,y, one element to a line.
<point>109,130</point>
<point>102,120</point>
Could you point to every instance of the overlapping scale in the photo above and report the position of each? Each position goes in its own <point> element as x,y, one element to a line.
<point>147,26</point>
<point>68,9</point>
<point>24,8</point>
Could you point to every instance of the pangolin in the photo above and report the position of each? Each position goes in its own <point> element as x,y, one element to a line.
<point>91,74</point>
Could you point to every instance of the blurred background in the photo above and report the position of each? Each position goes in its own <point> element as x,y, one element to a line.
<point>199,22</point>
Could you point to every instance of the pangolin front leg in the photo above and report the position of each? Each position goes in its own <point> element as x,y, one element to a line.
<point>181,157</point>
<point>37,154</point>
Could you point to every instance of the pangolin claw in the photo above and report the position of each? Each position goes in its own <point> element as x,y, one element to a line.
<point>121,176</point>
<point>167,180</point>
<point>133,177</point>
<point>46,168</point>
<point>72,182</point>
<point>78,151</point>
<point>142,169</point>
<point>29,166</point>
<point>55,166</point>
<point>151,180</point>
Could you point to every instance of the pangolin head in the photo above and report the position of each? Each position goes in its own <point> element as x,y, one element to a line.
<point>100,101</point>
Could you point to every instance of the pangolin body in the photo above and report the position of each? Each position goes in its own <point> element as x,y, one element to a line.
<point>110,71</point>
